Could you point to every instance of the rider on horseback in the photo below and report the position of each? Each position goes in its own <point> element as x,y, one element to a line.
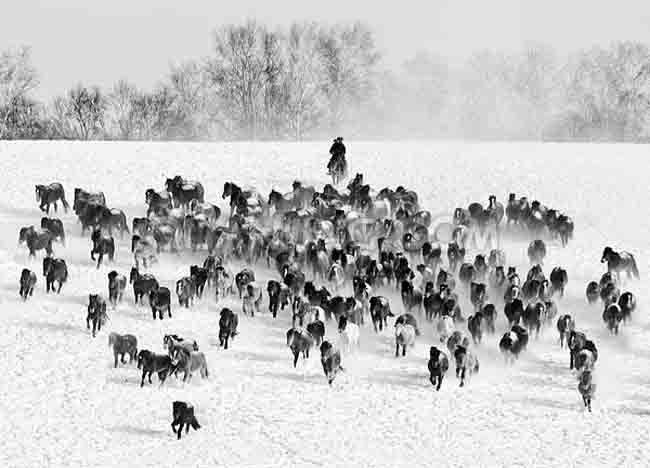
<point>338,154</point>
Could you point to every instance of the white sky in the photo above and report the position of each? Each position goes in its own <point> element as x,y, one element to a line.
<point>99,41</point>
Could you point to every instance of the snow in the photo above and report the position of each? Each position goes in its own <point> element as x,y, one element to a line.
<point>66,406</point>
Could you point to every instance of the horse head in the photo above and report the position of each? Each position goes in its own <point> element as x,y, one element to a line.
<point>606,254</point>
<point>25,233</point>
<point>134,275</point>
<point>291,337</point>
<point>343,322</point>
<point>227,190</point>
<point>274,197</point>
<point>170,185</point>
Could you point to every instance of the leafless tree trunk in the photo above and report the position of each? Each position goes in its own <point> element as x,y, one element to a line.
<point>18,78</point>
<point>120,111</point>
<point>85,107</point>
<point>303,79</point>
<point>237,70</point>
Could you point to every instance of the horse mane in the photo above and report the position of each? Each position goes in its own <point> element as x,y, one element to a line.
<point>112,338</point>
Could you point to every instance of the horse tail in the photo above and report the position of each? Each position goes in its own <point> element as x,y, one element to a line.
<point>66,206</point>
<point>635,269</point>
<point>124,223</point>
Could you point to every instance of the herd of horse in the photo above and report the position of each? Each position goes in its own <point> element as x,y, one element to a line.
<point>322,245</point>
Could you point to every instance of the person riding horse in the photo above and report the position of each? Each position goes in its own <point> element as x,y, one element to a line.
<point>338,154</point>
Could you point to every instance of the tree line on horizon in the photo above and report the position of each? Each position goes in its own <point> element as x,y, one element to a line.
<point>314,81</point>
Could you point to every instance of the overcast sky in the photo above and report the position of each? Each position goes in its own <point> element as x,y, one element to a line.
<point>99,42</point>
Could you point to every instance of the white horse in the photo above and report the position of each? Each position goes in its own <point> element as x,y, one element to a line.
<point>404,336</point>
<point>445,327</point>
<point>348,334</point>
<point>336,277</point>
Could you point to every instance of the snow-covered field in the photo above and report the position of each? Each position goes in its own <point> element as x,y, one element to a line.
<point>63,404</point>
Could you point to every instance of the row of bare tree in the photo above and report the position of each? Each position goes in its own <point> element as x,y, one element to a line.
<point>313,81</point>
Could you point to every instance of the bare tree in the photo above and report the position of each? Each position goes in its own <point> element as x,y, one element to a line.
<point>121,117</point>
<point>18,78</point>
<point>303,79</point>
<point>194,100</point>
<point>607,90</point>
<point>155,114</point>
<point>237,71</point>
<point>59,119</point>
<point>350,56</point>
<point>85,109</point>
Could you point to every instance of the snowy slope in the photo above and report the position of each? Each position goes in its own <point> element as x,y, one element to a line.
<point>66,406</point>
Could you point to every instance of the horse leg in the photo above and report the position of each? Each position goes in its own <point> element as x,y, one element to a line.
<point>296,354</point>
<point>396,350</point>
<point>440,377</point>
<point>169,311</point>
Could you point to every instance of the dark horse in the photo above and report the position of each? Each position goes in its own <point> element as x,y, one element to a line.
<point>157,201</point>
<point>102,245</point>
<point>113,219</point>
<point>94,215</point>
<point>183,191</point>
<point>239,197</point>
<point>27,283</point>
<point>36,240</point>
<point>142,284</point>
<point>49,194</point>
<point>619,262</point>
<point>183,416</point>
<point>55,226</point>
<point>150,362</point>
<point>228,322</point>
<point>96,312</point>
<point>438,366</point>
<point>160,300</point>
<point>54,269</point>
<point>83,198</point>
